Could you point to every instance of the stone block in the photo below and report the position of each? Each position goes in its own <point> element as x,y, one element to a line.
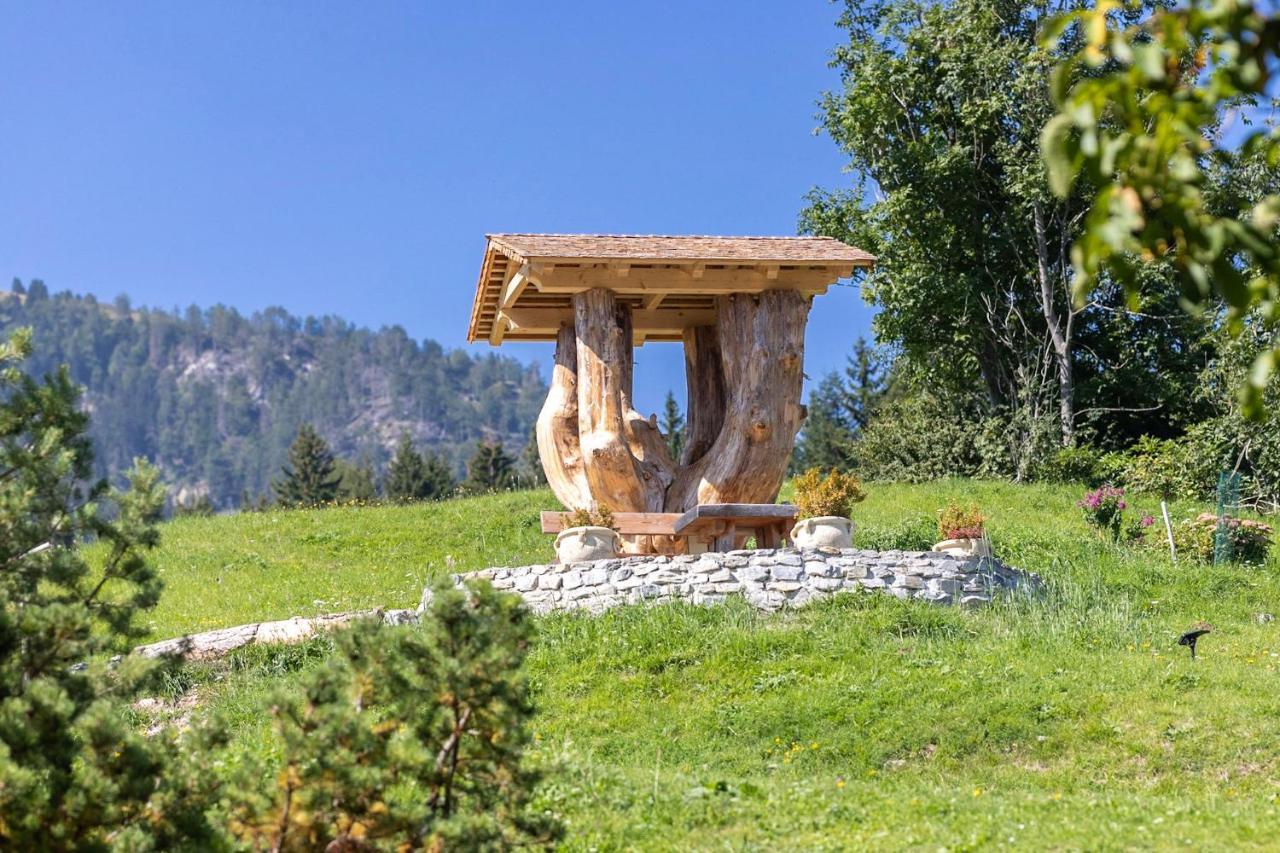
<point>550,581</point>
<point>788,571</point>
<point>524,583</point>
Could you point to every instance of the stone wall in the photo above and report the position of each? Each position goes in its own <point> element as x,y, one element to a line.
<point>768,579</point>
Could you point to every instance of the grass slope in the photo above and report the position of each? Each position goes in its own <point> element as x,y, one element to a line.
<point>1070,721</point>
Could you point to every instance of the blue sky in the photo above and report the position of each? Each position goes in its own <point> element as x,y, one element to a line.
<point>348,158</point>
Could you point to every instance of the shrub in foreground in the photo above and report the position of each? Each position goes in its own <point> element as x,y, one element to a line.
<point>405,738</point>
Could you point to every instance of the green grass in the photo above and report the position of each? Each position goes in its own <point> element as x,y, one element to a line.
<point>1071,721</point>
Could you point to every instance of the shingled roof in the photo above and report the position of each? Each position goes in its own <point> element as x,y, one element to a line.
<point>527,281</point>
<point>669,248</point>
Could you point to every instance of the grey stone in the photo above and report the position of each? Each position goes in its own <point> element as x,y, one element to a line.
<point>621,574</point>
<point>784,586</point>
<point>572,580</point>
<point>753,573</point>
<point>908,582</point>
<point>788,572</point>
<point>595,577</point>
<point>524,583</point>
<point>550,581</point>
<point>627,583</point>
<point>792,559</point>
<point>873,583</point>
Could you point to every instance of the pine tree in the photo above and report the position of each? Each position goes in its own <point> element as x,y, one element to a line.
<point>827,438</point>
<point>414,477</point>
<point>405,738</point>
<point>864,383</point>
<point>357,482</point>
<point>489,469</point>
<point>310,478</point>
<point>531,473</point>
<point>673,426</point>
<point>74,772</point>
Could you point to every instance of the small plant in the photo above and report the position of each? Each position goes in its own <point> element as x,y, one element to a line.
<point>831,494</point>
<point>602,517</point>
<point>1104,510</point>
<point>1248,540</point>
<point>960,522</point>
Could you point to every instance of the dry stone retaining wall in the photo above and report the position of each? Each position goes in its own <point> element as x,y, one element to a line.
<point>768,579</point>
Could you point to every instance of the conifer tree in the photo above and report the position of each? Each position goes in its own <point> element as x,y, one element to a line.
<point>357,481</point>
<point>489,469</point>
<point>673,426</point>
<point>412,476</point>
<point>531,473</point>
<point>310,478</point>
<point>406,738</point>
<point>74,772</point>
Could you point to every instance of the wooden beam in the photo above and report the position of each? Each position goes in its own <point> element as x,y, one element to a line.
<point>771,272</point>
<point>500,326</point>
<point>698,269</point>
<point>644,322</point>
<point>620,269</point>
<point>514,286</point>
<point>672,280</point>
<point>653,301</point>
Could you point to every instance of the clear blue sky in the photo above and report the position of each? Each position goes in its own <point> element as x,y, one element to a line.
<point>348,158</point>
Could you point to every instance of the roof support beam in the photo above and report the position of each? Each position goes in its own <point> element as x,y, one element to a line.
<point>514,286</point>
<point>650,281</point>
<point>643,323</point>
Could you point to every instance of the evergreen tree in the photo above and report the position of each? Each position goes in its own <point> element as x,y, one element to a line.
<point>489,469</point>
<point>865,381</point>
<point>357,481</point>
<point>17,287</point>
<point>74,772</point>
<point>310,478</point>
<point>405,738</point>
<point>414,477</point>
<point>827,438</point>
<point>673,426</point>
<point>531,473</point>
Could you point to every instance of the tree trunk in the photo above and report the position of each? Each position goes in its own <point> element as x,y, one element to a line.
<point>761,342</point>
<point>617,478</point>
<point>557,427</point>
<point>1059,333</point>
<point>704,376</point>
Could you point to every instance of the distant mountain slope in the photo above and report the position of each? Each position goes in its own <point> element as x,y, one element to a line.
<point>215,397</point>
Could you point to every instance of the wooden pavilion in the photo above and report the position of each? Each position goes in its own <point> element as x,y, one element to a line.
<point>739,305</point>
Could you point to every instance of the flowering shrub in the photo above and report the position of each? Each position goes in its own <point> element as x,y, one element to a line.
<point>960,522</point>
<point>818,494</point>
<point>1249,540</point>
<point>1104,510</point>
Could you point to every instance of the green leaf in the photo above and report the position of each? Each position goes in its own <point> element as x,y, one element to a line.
<point>1059,150</point>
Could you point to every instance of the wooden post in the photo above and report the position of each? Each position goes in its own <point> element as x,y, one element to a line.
<point>615,476</point>
<point>557,427</point>
<point>761,341</point>
<point>745,376</point>
<point>704,376</point>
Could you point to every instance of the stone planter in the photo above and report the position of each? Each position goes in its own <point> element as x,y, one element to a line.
<point>964,547</point>
<point>824,531</point>
<point>583,544</point>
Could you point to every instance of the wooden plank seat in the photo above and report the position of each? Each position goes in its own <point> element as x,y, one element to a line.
<point>717,527</point>
<point>727,526</point>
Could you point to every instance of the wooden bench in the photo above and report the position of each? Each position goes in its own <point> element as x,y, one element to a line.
<point>718,527</point>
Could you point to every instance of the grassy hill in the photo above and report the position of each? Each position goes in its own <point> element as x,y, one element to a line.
<point>1071,721</point>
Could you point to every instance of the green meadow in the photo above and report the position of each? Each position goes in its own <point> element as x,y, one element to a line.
<point>1071,720</point>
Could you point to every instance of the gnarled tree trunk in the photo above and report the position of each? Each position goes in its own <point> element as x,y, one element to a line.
<point>745,376</point>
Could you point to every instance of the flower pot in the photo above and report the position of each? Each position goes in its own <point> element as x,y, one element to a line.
<point>824,531</point>
<point>964,547</point>
<point>583,544</point>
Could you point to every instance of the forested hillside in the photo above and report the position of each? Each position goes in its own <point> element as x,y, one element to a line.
<point>215,397</point>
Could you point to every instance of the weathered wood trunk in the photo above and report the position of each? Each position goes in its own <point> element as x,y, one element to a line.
<point>744,376</point>
<point>761,341</point>
<point>704,376</point>
<point>557,427</point>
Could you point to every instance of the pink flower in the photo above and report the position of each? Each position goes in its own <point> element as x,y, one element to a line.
<point>1148,520</point>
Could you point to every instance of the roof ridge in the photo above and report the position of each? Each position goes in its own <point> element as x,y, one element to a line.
<point>669,236</point>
